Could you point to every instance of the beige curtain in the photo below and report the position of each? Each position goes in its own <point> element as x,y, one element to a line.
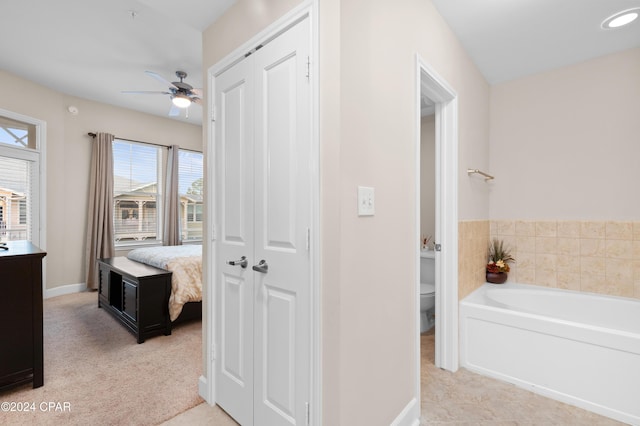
<point>100,242</point>
<point>171,235</point>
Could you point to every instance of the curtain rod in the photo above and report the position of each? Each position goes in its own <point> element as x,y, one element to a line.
<point>93,135</point>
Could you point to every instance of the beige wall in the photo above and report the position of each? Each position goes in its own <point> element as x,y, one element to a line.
<point>379,40</point>
<point>239,23</point>
<point>367,131</point>
<point>68,151</point>
<point>564,149</point>
<point>564,143</point>
<point>331,254</point>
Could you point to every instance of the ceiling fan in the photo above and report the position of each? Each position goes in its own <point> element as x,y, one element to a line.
<point>182,94</point>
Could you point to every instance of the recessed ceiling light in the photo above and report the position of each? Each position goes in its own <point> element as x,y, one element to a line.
<point>621,18</point>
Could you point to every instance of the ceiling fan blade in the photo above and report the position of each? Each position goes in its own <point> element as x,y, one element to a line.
<point>196,100</point>
<point>144,92</point>
<point>197,92</point>
<point>174,111</point>
<point>159,78</point>
<point>183,86</point>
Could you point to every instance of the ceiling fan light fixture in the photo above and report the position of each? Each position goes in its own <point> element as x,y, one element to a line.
<point>181,101</point>
<point>621,19</point>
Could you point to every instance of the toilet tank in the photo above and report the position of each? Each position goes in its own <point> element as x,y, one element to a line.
<point>428,267</point>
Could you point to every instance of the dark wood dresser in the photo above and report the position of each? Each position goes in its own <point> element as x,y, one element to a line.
<point>137,295</point>
<point>21,358</point>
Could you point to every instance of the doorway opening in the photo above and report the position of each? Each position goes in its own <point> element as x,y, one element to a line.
<point>427,231</point>
<point>433,92</point>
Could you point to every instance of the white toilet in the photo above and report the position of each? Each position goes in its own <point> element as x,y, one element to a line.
<point>427,290</point>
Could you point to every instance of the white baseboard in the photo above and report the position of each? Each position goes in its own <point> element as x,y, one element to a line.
<point>203,389</point>
<point>410,415</point>
<point>64,289</point>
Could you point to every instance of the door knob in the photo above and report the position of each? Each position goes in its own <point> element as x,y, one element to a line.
<point>261,267</point>
<point>242,262</point>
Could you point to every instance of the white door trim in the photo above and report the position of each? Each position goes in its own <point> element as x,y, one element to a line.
<point>307,9</point>
<point>438,90</point>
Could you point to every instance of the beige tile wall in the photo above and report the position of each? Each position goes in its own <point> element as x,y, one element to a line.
<point>593,256</point>
<point>473,241</point>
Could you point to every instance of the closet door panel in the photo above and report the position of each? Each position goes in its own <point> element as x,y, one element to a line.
<point>278,137</point>
<point>282,222</point>
<point>234,224</point>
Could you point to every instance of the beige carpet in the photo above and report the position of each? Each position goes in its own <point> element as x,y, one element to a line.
<point>94,365</point>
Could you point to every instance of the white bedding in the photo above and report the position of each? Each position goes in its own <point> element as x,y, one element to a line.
<point>185,263</point>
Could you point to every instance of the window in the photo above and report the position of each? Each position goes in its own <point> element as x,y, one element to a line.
<point>19,178</point>
<point>17,134</point>
<point>190,178</point>
<point>137,170</point>
<point>194,213</point>
<point>23,212</point>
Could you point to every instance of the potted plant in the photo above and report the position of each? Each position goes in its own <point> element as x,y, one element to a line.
<point>499,259</point>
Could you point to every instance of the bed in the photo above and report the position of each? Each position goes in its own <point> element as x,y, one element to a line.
<point>185,264</point>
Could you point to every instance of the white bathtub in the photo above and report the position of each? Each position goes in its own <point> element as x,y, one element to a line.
<point>578,348</point>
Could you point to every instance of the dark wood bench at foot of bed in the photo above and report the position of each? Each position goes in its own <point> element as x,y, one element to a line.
<point>137,295</point>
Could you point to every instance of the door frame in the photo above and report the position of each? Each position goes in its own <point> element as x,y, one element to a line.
<point>306,10</point>
<point>430,83</point>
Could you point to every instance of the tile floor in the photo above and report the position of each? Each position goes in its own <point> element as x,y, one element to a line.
<point>466,398</point>
<point>461,398</point>
<point>202,415</point>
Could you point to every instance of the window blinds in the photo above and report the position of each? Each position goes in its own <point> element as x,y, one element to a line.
<point>190,183</point>
<point>15,199</point>
<point>137,171</point>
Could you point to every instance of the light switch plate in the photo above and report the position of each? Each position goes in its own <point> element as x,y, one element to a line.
<point>366,201</point>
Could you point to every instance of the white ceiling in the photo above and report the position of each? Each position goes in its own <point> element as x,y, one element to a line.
<point>508,39</point>
<point>95,49</point>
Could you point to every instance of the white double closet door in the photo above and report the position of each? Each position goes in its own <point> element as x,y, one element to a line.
<point>263,215</point>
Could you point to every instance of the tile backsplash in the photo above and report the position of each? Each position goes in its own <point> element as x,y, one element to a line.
<point>473,240</point>
<point>593,256</point>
